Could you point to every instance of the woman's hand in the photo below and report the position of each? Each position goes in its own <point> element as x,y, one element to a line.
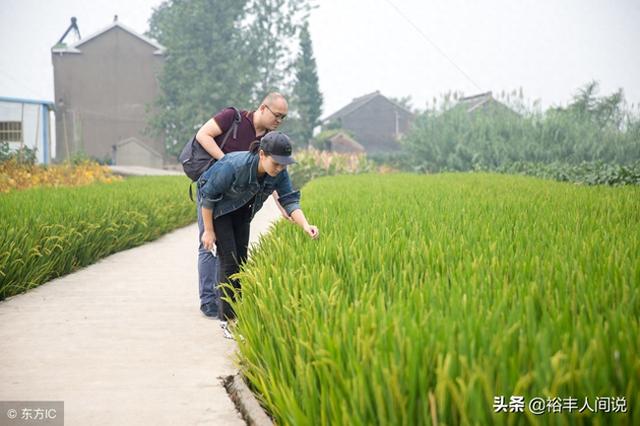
<point>312,231</point>
<point>208,239</point>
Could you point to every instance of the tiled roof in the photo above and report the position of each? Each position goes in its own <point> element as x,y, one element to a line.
<point>137,141</point>
<point>345,140</point>
<point>75,48</point>
<point>476,101</point>
<point>359,102</point>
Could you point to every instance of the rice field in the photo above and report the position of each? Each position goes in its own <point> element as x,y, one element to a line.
<point>448,299</point>
<point>49,232</point>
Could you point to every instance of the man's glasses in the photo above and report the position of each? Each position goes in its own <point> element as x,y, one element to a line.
<point>277,116</point>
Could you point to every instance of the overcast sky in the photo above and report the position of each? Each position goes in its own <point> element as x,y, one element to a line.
<point>400,47</point>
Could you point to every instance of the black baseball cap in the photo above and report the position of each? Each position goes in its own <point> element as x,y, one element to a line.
<point>278,146</point>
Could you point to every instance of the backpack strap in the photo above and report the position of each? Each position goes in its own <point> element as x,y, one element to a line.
<point>237,118</point>
<point>191,192</point>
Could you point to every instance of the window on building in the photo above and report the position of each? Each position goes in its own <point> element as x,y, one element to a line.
<point>10,131</point>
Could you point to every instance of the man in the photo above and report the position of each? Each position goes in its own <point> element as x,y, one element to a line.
<point>253,126</point>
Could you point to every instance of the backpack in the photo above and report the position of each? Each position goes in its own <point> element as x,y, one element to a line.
<point>196,160</point>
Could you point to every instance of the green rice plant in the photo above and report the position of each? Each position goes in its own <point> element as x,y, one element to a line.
<point>428,297</point>
<point>49,232</point>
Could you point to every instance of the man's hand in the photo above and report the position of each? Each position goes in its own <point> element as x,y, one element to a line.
<point>206,137</point>
<point>208,240</point>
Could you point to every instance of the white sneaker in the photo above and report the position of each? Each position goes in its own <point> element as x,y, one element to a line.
<point>225,330</point>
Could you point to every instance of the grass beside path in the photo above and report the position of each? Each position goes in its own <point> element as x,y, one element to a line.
<point>49,232</point>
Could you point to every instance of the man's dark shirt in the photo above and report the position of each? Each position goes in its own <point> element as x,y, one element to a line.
<point>246,133</point>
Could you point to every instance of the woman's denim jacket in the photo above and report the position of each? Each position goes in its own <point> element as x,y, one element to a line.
<point>232,182</point>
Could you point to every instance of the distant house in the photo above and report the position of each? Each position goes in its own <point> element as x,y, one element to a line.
<point>133,152</point>
<point>104,84</point>
<point>24,123</point>
<point>343,143</point>
<point>374,121</point>
<point>483,103</point>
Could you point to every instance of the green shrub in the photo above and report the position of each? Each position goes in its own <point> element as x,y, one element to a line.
<point>23,155</point>
<point>591,129</point>
<point>401,160</point>
<point>594,173</point>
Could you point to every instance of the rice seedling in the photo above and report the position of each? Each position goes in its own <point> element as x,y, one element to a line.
<point>429,298</point>
<point>49,232</point>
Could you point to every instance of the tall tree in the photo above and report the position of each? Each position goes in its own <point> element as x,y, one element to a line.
<point>207,66</point>
<point>272,26</point>
<point>405,102</point>
<point>307,97</point>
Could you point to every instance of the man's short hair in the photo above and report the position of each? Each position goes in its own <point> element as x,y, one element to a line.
<point>272,97</point>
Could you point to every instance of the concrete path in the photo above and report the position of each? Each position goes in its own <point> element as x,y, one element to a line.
<point>143,171</point>
<point>123,342</point>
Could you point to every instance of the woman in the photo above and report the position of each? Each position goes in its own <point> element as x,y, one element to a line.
<point>253,126</point>
<point>233,190</point>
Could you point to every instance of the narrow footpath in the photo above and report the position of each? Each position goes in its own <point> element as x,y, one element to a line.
<point>123,342</point>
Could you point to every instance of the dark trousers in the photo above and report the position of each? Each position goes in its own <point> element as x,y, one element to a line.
<point>232,241</point>
<point>208,268</point>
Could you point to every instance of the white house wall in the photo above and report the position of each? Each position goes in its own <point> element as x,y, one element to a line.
<point>32,123</point>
